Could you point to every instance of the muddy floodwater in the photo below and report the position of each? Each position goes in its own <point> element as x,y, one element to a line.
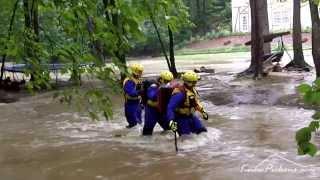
<point>251,133</point>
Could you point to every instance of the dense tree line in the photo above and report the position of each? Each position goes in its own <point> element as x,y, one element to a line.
<point>205,16</point>
<point>79,32</point>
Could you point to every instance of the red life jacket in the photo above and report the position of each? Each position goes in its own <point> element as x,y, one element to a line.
<point>165,93</point>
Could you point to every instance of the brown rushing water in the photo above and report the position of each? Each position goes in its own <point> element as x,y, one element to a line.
<point>249,130</point>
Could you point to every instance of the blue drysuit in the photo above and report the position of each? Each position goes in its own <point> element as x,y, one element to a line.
<point>132,105</point>
<point>152,114</point>
<point>187,122</point>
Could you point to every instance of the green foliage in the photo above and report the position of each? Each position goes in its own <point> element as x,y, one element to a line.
<point>303,135</point>
<point>303,138</point>
<point>239,48</point>
<point>87,28</point>
<point>311,96</point>
<point>304,88</point>
<point>314,125</point>
<point>88,37</point>
<point>307,148</point>
<point>95,101</point>
<point>208,22</point>
<point>210,15</point>
<point>220,11</point>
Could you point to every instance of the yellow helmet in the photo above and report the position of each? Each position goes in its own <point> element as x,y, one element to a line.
<point>190,76</point>
<point>136,69</point>
<point>166,75</point>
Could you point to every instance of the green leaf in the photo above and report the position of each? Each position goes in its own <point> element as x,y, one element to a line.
<point>308,97</point>
<point>316,84</point>
<point>315,98</point>
<point>307,148</point>
<point>316,115</point>
<point>314,125</point>
<point>312,149</point>
<point>304,88</point>
<point>303,135</point>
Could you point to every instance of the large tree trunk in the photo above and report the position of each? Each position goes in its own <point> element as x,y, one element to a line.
<point>257,42</point>
<point>298,62</point>
<point>265,24</point>
<point>173,68</point>
<point>296,35</point>
<point>257,36</point>
<point>315,35</point>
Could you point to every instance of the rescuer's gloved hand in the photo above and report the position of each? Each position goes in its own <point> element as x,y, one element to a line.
<point>205,115</point>
<point>173,126</point>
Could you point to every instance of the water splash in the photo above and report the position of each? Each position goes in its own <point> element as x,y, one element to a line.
<point>116,132</point>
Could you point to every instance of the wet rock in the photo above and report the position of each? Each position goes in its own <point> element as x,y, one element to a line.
<point>220,98</point>
<point>204,70</point>
<point>277,68</point>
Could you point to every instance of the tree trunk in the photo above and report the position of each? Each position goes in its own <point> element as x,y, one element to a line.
<point>35,19</point>
<point>173,68</point>
<point>163,48</point>
<point>27,16</point>
<point>257,36</point>
<point>95,45</point>
<point>198,8</point>
<point>296,35</point>
<point>198,17</point>
<point>4,56</point>
<point>257,49</point>
<point>298,61</point>
<point>265,24</point>
<point>204,17</point>
<point>28,29</point>
<point>315,35</point>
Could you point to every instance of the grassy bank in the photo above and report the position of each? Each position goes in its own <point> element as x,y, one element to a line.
<point>235,49</point>
<point>213,51</point>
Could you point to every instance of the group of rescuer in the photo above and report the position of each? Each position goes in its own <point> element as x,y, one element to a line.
<point>166,101</point>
